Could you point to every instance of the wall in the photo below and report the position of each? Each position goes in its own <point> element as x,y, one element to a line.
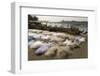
<point>5,33</point>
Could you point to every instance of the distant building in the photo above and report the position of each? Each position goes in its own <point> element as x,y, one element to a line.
<point>57,24</point>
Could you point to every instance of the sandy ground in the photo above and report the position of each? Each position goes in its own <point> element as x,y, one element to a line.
<point>78,53</point>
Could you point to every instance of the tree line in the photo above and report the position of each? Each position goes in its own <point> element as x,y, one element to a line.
<point>33,23</point>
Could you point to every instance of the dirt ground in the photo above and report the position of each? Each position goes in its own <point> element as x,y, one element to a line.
<point>78,53</point>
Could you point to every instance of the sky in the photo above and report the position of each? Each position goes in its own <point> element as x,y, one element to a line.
<point>60,18</point>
